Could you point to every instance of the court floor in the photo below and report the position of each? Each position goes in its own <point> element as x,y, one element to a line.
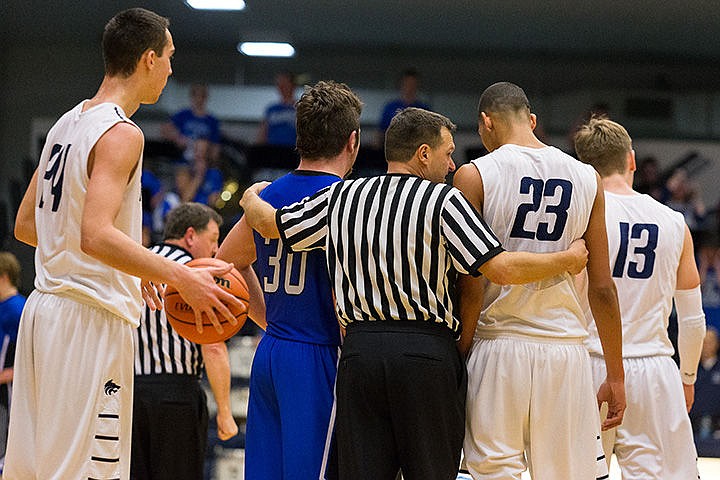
<point>709,469</point>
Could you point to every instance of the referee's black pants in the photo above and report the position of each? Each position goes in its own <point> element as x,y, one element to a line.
<point>170,428</point>
<point>400,402</point>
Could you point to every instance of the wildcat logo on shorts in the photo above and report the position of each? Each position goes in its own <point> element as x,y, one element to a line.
<point>111,387</point>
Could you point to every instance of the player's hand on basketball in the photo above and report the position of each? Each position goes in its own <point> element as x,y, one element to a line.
<point>207,298</point>
<point>689,392</point>
<point>578,256</point>
<point>152,294</point>
<point>613,393</point>
<point>226,426</point>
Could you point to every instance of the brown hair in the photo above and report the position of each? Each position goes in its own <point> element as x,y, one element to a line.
<point>128,35</point>
<point>603,144</point>
<point>10,266</point>
<point>410,128</point>
<point>186,215</point>
<point>327,114</point>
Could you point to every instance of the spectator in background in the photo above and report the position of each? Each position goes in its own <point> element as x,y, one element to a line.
<point>649,181</point>
<point>278,125</point>
<point>705,414</point>
<point>199,181</point>
<point>152,195</point>
<point>409,84</point>
<point>709,268</point>
<point>11,306</point>
<point>191,124</point>
<point>685,198</point>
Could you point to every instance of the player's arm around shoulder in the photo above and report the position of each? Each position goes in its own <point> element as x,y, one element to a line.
<point>238,248</point>
<point>260,215</point>
<point>517,267</point>
<point>25,230</point>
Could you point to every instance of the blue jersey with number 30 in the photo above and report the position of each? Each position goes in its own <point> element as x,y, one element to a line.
<point>298,296</point>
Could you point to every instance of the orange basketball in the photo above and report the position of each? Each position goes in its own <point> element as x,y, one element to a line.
<point>182,317</point>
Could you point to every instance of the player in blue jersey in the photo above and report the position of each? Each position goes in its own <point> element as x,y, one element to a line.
<point>290,411</point>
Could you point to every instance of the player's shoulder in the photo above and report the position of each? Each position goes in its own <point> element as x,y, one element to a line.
<point>123,135</point>
<point>660,207</point>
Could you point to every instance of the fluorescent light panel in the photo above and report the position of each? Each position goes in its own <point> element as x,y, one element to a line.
<point>216,4</point>
<point>266,49</point>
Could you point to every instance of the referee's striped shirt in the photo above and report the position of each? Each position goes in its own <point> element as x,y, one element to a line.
<point>158,348</point>
<point>392,242</point>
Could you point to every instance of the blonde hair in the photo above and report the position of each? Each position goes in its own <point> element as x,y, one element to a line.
<point>604,144</point>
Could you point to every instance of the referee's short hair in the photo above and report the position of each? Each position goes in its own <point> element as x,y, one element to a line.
<point>10,266</point>
<point>186,215</point>
<point>327,113</point>
<point>410,128</point>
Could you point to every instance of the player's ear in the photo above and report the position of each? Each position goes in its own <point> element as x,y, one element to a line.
<point>533,121</point>
<point>148,58</point>
<point>486,121</point>
<point>631,160</point>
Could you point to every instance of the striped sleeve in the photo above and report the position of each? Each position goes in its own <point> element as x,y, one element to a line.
<point>303,225</point>
<point>470,241</point>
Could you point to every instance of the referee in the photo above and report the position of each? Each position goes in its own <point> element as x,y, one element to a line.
<point>170,415</point>
<point>394,245</point>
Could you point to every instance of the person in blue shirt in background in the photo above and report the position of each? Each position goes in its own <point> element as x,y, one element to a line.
<point>193,123</point>
<point>278,125</point>
<point>11,306</point>
<point>409,84</point>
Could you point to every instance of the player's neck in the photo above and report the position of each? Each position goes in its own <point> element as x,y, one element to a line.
<point>118,91</point>
<point>521,136</point>
<point>618,184</point>
<point>333,166</point>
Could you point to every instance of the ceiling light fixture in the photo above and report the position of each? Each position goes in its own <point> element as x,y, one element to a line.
<point>266,49</point>
<point>216,4</point>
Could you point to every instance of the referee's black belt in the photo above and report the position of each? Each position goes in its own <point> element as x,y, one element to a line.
<point>167,379</point>
<point>400,326</point>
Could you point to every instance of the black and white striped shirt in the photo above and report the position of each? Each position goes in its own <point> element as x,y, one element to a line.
<point>158,348</point>
<point>392,242</point>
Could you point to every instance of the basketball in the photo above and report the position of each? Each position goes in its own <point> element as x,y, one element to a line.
<point>182,317</point>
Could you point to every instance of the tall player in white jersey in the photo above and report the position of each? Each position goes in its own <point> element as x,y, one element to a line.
<point>652,262</point>
<point>82,210</point>
<point>531,401</point>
